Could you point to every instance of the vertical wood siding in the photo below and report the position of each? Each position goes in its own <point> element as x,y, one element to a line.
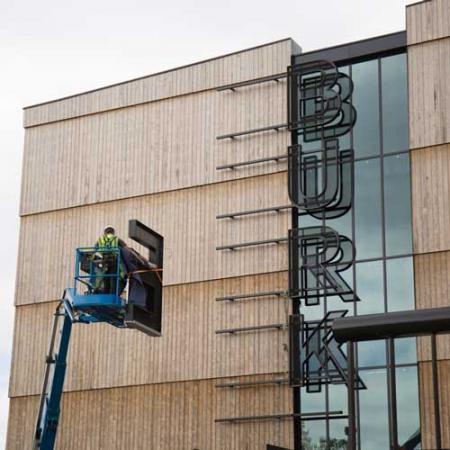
<point>432,282</point>
<point>427,416</point>
<point>430,184</point>
<point>186,219</point>
<point>151,148</point>
<point>427,21</point>
<point>147,150</point>
<point>428,31</point>
<point>429,93</point>
<point>175,416</point>
<point>102,356</point>
<point>428,35</point>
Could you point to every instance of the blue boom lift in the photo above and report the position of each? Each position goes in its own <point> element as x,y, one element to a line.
<point>96,296</point>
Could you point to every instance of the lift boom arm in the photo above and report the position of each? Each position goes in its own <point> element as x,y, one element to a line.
<point>49,408</point>
<point>96,297</point>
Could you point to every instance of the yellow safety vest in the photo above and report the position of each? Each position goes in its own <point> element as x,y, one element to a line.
<point>108,241</point>
<point>112,242</point>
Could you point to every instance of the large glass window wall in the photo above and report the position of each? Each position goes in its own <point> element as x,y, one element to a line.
<point>382,276</point>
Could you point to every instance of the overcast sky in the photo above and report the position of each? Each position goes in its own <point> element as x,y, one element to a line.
<point>50,49</point>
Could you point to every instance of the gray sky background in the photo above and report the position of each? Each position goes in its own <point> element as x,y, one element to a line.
<point>50,49</point>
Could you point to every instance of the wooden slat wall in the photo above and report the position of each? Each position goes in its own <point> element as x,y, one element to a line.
<point>429,70</point>
<point>428,35</point>
<point>187,220</point>
<point>432,280</point>
<point>151,148</point>
<point>175,416</point>
<point>245,65</point>
<point>427,416</point>
<point>432,283</point>
<point>427,21</point>
<point>147,149</point>
<point>102,356</point>
<point>430,179</point>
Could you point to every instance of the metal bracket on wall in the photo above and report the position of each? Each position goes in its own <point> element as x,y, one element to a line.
<point>243,384</point>
<point>253,418</point>
<point>276,158</point>
<point>273,326</point>
<point>232,87</point>
<point>276,209</point>
<point>277,128</point>
<point>255,295</point>
<point>252,244</point>
<point>304,416</point>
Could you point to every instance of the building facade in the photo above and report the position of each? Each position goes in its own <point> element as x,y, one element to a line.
<point>199,154</point>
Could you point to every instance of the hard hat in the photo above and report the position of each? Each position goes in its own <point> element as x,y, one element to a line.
<point>108,228</point>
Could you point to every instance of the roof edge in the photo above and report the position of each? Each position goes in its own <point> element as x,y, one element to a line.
<point>359,41</point>
<point>418,3</point>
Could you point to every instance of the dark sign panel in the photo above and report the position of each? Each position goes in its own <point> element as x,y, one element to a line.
<point>144,309</point>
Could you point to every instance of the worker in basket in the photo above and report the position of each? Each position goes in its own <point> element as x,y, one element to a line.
<point>106,263</point>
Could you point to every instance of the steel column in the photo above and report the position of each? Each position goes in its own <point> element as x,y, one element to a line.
<point>351,396</point>
<point>435,375</point>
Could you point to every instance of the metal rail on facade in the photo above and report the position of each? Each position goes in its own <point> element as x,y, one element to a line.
<point>232,87</point>
<point>276,158</point>
<point>254,130</point>
<point>396,324</point>
<point>304,416</point>
<point>252,244</point>
<point>276,209</point>
<point>272,326</point>
<point>238,384</point>
<point>232,298</point>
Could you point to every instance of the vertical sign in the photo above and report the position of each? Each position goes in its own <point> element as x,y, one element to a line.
<point>320,184</point>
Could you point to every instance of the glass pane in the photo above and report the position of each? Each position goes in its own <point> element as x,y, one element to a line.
<point>407,405</point>
<point>343,225</point>
<point>394,103</point>
<point>369,287</point>
<point>338,438</point>
<point>311,145</point>
<point>338,398</point>
<point>372,353</point>
<point>366,131</point>
<point>397,200</point>
<point>368,209</point>
<point>313,312</point>
<point>308,221</point>
<point>405,351</point>
<point>312,401</point>
<point>313,433</point>
<point>373,411</point>
<point>400,284</point>
<point>335,303</point>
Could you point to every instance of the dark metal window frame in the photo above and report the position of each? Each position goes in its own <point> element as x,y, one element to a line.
<point>371,49</point>
<point>357,51</point>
